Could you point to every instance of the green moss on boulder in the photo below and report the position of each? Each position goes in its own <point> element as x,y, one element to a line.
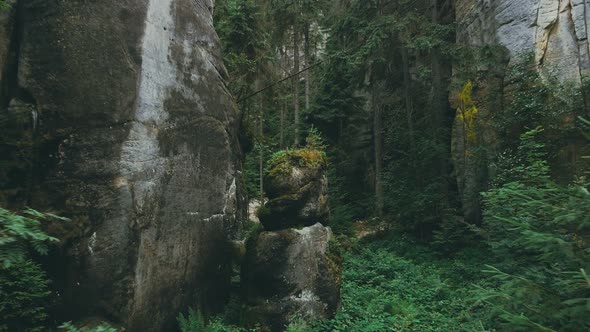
<point>297,186</point>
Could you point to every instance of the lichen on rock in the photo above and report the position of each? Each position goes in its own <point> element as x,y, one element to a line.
<point>296,184</point>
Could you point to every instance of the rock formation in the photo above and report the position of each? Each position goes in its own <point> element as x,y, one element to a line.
<point>127,128</point>
<point>555,32</point>
<point>297,188</point>
<point>290,273</point>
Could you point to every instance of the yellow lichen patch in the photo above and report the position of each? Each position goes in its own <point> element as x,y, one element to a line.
<point>283,161</point>
<point>467,111</point>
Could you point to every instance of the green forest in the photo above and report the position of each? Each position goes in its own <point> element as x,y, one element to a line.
<point>403,165</point>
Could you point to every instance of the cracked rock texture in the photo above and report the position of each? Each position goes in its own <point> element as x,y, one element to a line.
<point>291,275</point>
<point>555,31</point>
<point>115,114</point>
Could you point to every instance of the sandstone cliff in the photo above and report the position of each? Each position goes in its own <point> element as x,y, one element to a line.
<point>555,32</point>
<point>115,114</point>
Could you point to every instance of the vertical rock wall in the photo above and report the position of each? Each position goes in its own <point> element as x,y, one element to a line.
<point>133,136</point>
<point>555,31</point>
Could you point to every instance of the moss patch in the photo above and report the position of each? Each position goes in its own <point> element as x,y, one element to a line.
<point>282,162</point>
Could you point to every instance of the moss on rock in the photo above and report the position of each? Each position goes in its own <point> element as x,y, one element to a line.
<point>296,184</point>
<point>283,161</point>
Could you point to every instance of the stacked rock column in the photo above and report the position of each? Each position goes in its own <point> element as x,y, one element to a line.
<point>290,274</point>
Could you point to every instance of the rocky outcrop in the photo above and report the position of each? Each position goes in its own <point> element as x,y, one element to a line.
<point>133,135</point>
<point>297,188</point>
<point>554,31</point>
<point>291,275</point>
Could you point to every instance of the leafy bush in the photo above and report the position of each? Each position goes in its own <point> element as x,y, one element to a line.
<point>386,289</point>
<point>24,291</point>
<point>195,322</point>
<point>18,232</point>
<point>3,5</point>
<point>68,327</point>
<point>540,229</point>
<point>24,296</point>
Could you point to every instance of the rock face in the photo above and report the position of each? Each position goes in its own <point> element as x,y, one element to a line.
<point>291,275</point>
<point>554,31</point>
<point>297,188</point>
<point>131,132</point>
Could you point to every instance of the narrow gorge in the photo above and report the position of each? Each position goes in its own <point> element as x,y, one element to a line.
<point>294,165</point>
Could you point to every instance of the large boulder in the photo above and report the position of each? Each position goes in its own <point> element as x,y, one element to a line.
<point>134,137</point>
<point>297,188</point>
<point>291,275</point>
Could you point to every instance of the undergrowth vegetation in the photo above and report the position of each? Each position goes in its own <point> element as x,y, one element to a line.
<point>24,287</point>
<point>540,230</point>
<point>399,285</point>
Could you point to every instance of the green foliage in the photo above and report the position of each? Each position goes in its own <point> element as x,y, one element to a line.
<point>238,24</point>
<point>283,161</point>
<point>536,101</point>
<point>540,229</point>
<point>312,155</point>
<point>314,140</point>
<point>69,327</point>
<point>362,73</point>
<point>397,285</point>
<point>18,232</point>
<point>195,322</point>
<point>24,297</point>
<point>24,291</point>
<point>4,5</point>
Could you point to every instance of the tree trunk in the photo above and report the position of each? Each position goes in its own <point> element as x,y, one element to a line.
<point>296,83</point>
<point>439,106</point>
<point>261,150</point>
<point>307,72</point>
<point>409,105</point>
<point>282,125</point>
<point>378,146</point>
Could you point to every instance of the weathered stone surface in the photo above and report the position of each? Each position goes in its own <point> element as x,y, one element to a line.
<point>7,29</point>
<point>253,206</point>
<point>291,274</point>
<point>370,229</point>
<point>136,141</point>
<point>555,31</point>
<point>297,188</point>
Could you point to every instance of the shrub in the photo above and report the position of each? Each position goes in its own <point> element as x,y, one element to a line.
<point>195,322</point>
<point>384,289</point>
<point>68,327</point>
<point>540,229</point>
<point>24,291</point>
<point>18,233</point>
<point>24,296</point>
<point>4,5</point>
